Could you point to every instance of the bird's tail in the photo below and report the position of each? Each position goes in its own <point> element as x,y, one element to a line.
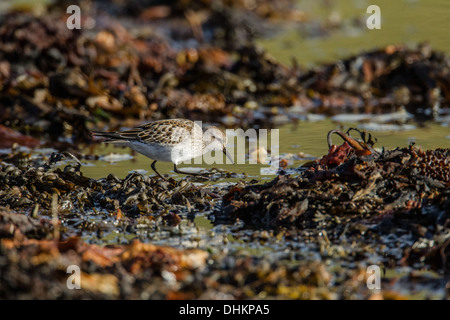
<point>111,137</point>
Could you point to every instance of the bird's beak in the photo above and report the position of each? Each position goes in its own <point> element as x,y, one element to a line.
<point>228,155</point>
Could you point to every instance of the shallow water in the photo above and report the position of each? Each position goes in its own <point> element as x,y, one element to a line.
<point>405,22</point>
<point>304,137</point>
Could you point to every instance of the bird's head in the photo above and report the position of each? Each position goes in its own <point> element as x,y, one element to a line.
<point>215,139</point>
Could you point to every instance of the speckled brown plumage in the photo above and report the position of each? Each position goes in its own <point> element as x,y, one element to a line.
<point>167,132</point>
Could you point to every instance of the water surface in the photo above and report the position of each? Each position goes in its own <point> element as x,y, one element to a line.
<point>308,138</point>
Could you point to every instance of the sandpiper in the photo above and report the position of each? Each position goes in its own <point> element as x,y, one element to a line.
<point>174,140</point>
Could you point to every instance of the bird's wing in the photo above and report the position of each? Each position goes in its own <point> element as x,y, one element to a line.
<point>165,131</point>
<point>168,132</point>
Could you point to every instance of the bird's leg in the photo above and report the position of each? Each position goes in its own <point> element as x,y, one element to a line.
<point>154,169</point>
